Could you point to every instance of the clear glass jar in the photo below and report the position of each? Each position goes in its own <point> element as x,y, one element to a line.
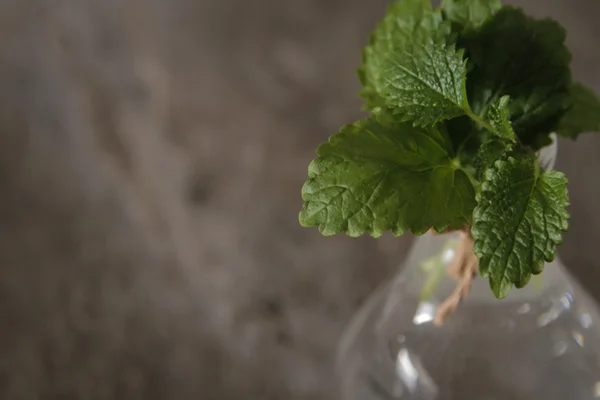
<point>540,342</point>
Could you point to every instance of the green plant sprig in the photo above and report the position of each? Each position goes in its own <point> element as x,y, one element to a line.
<point>460,99</point>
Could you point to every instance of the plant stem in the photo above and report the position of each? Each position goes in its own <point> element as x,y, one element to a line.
<point>464,267</point>
<point>480,121</point>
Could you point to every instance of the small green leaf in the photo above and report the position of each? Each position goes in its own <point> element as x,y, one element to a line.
<point>513,54</point>
<point>518,222</point>
<point>374,177</point>
<point>490,152</point>
<point>584,114</point>
<point>404,22</point>
<point>498,117</point>
<point>424,82</point>
<point>470,13</point>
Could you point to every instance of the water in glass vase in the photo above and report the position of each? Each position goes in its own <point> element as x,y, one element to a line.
<point>540,342</point>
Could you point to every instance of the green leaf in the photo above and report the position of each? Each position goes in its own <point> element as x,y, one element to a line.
<point>498,117</point>
<point>373,177</point>
<point>424,82</point>
<point>501,143</point>
<point>470,13</point>
<point>466,138</point>
<point>404,22</point>
<point>584,114</point>
<point>518,222</point>
<point>490,152</point>
<point>513,54</point>
<point>409,67</point>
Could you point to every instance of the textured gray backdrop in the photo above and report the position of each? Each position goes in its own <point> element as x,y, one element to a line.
<point>151,158</point>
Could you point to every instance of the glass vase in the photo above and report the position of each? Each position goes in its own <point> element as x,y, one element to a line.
<point>540,342</point>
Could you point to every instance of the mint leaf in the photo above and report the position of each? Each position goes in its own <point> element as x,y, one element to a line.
<point>465,136</point>
<point>404,22</point>
<point>501,143</point>
<point>373,177</point>
<point>424,82</point>
<point>478,148</point>
<point>519,218</point>
<point>498,117</point>
<point>513,54</point>
<point>584,114</point>
<point>490,152</point>
<point>470,13</point>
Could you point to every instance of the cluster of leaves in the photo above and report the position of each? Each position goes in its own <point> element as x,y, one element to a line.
<point>460,99</point>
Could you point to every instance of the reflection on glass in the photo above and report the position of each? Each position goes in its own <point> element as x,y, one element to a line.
<point>540,342</point>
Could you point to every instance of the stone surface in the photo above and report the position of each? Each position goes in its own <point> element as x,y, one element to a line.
<point>151,158</point>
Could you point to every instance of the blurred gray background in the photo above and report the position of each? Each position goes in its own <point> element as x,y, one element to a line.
<point>151,159</point>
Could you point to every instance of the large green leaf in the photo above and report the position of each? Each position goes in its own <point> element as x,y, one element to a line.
<point>374,176</point>
<point>425,82</point>
<point>404,22</point>
<point>584,114</point>
<point>518,222</point>
<point>513,54</point>
<point>467,14</point>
